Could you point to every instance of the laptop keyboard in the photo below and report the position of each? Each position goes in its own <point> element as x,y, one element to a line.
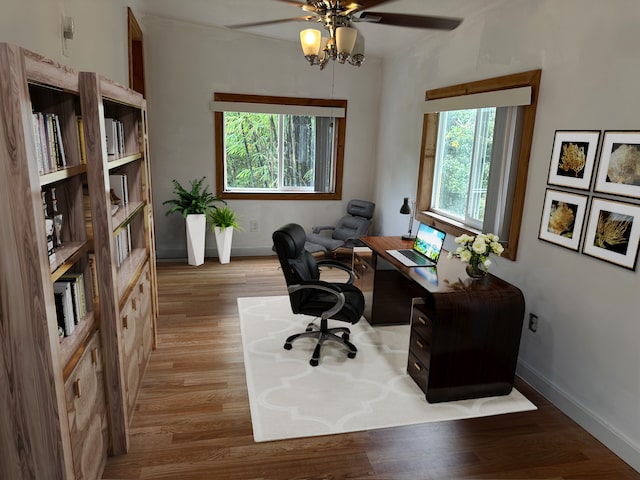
<point>415,257</point>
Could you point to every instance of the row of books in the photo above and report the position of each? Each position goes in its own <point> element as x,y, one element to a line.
<point>123,245</point>
<point>115,137</point>
<point>48,142</point>
<point>71,302</point>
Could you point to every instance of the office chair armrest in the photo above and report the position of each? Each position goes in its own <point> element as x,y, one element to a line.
<point>322,227</point>
<point>336,264</point>
<point>326,287</point>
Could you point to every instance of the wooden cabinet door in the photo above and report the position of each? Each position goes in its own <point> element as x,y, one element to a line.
<point>87,413</point>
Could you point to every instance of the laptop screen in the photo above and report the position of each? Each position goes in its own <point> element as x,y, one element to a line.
<point>429,241</point>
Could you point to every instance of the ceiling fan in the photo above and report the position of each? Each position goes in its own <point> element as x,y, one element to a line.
<point>344,42</point>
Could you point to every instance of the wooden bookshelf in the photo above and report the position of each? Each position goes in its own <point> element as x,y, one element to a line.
<point>69,399</point>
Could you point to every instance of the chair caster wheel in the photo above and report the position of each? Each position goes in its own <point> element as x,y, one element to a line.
<point>288,346</point>
<point>313,362</point>
<point>351,354</point>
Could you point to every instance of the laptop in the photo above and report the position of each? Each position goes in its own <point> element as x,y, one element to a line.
<point>426,248</point>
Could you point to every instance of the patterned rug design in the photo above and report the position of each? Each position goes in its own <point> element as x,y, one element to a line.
<point>290,399</point>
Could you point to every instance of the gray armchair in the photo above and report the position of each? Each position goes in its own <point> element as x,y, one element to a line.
<point>346,232</point>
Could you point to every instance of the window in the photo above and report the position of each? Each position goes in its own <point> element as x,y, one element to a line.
<point>463,160</point>
<point>475,153</point>
<point>278,147</point>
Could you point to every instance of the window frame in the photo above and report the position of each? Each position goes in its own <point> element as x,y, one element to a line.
<point>424,213</point>
<point>341,125</point>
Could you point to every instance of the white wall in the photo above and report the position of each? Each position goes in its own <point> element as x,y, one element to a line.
<point>585,354</point>
<point>186,64</point>
<point>100,41</point>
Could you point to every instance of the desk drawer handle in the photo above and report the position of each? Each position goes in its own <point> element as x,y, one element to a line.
<point>94,356</point>
<point>364,266</point>
<point>422,320</point>
<point>125,321</point>
<point>76,388</point>
<point>417,366</point>
<point>420,344</point>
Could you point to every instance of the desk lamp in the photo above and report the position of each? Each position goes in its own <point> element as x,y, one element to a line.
<point>406,210</point>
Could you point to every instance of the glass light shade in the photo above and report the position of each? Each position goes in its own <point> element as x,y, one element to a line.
<point>310,41</point>
<point>346,39</point>
<point>358,48</point>
<point>323,45</point>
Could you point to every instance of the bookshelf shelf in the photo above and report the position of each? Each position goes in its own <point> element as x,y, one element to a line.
<point>62,174</point>
<point>119,162</point>
<point>66,256</point>
<point>124,215</point>
<point>72,347</point>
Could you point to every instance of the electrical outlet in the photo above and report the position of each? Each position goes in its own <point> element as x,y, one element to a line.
<point>253,226</point>
<point>533,322</point>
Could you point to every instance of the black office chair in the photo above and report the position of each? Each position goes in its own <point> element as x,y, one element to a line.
<point>311,296</point>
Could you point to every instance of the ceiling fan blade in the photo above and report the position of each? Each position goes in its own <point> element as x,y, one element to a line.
<point>412,21</point>
<point>304,6</point>
<point>308,18</point>
<point>365,4</point>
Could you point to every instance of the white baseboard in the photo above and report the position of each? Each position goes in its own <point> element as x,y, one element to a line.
<point>614,440</point>
<point>181,253</point>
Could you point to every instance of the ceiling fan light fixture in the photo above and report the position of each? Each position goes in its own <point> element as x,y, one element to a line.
<point>310,40</point>
<point>345,40</point>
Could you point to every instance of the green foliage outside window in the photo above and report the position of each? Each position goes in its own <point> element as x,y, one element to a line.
<point>252,150</point>
<point>457,185</point>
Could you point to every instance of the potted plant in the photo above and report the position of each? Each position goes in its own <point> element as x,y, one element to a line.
<point>223,222</point>
<point>194,205</point>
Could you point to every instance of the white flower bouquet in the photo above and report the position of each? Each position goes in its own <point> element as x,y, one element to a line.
<point>476,250</point>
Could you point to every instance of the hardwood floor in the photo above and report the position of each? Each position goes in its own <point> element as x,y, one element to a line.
<point>192,419</point>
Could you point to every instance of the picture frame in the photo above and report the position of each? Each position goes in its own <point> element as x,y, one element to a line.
<point>619,168</point>
<point>613,232</point>
<point>563,217</point>
<point>573,158</point>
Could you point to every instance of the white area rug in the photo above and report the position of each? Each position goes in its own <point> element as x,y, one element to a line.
<point>289,398</point>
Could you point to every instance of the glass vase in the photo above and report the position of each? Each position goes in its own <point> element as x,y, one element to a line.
<point>475,271</point>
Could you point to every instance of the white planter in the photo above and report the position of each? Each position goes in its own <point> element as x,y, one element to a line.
<point>223,242</point>
<point>196,232</point>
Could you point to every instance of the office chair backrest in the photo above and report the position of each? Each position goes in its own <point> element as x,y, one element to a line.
<point>356,223</point>
<point>297,264</point>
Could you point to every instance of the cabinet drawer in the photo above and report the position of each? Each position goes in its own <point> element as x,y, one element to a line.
<point>418,371</point>
<point>422,324</point>
<point>420,347</point>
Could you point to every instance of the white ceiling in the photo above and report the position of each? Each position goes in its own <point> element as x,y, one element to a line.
<point>380,40</point>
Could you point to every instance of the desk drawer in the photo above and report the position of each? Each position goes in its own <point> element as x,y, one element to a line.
<point>418,371</point>
<point>421,323</point>
<point>420,348</point>
<point>362,264</point>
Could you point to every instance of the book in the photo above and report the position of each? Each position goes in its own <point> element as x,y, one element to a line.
<point>78,294</point>
<point>48,223</point>
<point>62,159</point>
<point>94,278</point>
<point>118,184</point>
<point>82,145</point>
<point>65,311</point>
<point>114,131</point>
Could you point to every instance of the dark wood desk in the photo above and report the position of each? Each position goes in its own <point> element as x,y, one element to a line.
<point>465,334</point>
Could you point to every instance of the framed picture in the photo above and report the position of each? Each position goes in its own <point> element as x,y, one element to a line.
<point>613,232</point>
<point>562,218</point>
<point>573,158</point>
<point>619,169</point>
